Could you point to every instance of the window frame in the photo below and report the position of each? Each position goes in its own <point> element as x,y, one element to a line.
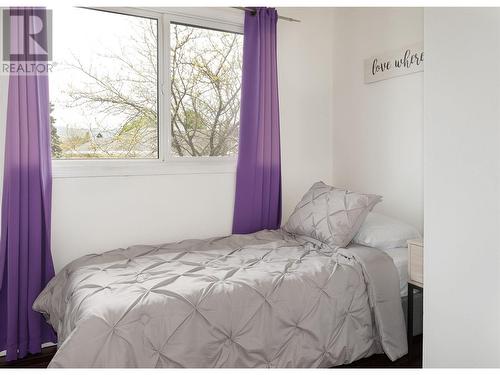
<point>223,19</point>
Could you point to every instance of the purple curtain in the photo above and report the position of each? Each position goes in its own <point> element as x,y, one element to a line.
<point>25,259</point>
<point>258,177</point>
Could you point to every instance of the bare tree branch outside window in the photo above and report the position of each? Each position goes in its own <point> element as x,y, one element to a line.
<point>108,104</point>
<point>205,89</point>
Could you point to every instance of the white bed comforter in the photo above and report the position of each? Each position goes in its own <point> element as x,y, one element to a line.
<point>260,300</point>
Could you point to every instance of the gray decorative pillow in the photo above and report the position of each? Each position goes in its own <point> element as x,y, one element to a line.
<point>330,215</point>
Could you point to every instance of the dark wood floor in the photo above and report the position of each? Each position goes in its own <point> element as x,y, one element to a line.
<point>414,360</point>
<point>411,360</point>
<point>40,360</point>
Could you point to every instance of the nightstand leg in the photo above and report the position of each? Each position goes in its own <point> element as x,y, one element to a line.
<point>409,325</point>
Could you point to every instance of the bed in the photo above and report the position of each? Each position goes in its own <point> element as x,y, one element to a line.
<point>400,258</point>
<point>268,299</point>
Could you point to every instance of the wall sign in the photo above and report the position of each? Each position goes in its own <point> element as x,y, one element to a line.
<point>406,60</point>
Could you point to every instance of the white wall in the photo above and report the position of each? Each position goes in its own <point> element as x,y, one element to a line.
<point>305,52</point>
<point>377,128</point>
<point>97,214</point>
<point>462,187</point>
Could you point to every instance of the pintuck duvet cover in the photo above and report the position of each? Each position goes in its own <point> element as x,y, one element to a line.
<point>267,299</point>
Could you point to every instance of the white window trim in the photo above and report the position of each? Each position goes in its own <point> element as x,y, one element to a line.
<point>215,18</point>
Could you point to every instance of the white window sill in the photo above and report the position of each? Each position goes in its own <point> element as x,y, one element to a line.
<point>110,168</point>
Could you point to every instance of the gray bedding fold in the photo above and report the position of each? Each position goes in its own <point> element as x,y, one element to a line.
<point>383,285</point>
<point>260,300</point>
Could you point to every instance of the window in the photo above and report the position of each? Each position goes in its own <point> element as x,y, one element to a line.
<point>103,89</point>
<point>143,85</point>
<point>205,76</point>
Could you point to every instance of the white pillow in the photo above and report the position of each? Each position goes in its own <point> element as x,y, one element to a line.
<point>384,232</point>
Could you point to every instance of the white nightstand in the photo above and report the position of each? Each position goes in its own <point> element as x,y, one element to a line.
<point>416,263</point>
<point>415,281</point>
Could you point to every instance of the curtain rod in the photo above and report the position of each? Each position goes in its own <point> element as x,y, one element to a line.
<point>253,11</point>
